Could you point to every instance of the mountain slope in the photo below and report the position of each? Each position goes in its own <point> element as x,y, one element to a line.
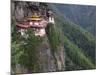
<point>85,16</point>
<point>80,41</point>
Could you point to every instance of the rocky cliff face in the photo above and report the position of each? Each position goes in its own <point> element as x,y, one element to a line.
<point>20,9</point>
<point>46,60</point>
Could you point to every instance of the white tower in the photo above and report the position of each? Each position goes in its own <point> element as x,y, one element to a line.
<point>51,20</point>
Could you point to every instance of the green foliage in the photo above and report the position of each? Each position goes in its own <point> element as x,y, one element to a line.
<point>79,45</point>
<point>53,36</point>
<point>15,45</point>
<point>23,50</point>
<point>77,56</point>
<point>30,52</point>
<point>82,39</point>
<point>55,41</point>
<point>84,16</point>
